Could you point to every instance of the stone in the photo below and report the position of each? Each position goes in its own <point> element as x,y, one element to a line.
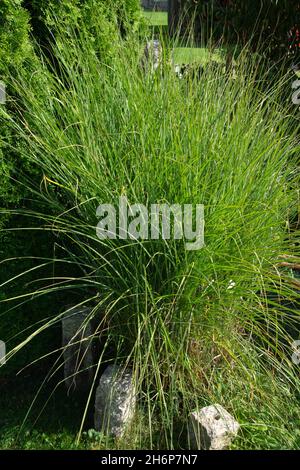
<point>79,349</point>
<point>115,402</point>
<point>152,57</point>
<point>212,428</point>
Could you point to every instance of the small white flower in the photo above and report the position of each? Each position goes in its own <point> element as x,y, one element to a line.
<point>231,285</point>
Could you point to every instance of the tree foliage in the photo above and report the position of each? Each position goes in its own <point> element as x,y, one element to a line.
<point>15,52</point>
<point>22,21</point>
<point>253,22</point>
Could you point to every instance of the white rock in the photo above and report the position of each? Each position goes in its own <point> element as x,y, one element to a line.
<point>212,428</point>
<point>77,339</point>
<point>115,401</point>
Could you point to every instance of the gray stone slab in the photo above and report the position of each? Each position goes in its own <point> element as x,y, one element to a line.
<point>115,401</point>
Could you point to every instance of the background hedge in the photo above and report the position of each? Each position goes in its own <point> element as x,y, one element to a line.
<point>25,25</point>
<point>255,22</point>
<point>22,21</point>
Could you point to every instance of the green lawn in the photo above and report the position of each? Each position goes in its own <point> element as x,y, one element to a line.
<point>186,55</point>
<point>157,18</point>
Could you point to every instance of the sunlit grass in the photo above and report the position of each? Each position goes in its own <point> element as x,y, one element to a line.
<point>196,327</point>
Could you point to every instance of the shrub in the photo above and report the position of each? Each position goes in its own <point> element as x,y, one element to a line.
<point>197,327</point>
<point>14,30</point>
<point>14,51</point>
<point>19,22</point>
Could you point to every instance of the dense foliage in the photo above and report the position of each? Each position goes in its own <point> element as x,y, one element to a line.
<point>101,19</point>
<point>255,22</point>
<point>196,327</point>
<point>15,50</point>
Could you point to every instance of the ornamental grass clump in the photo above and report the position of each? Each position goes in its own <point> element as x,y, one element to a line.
<point>213,325</point>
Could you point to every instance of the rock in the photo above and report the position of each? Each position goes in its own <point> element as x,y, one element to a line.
<point>152,57</point>
<point>79,350</point>
<point>212,428</point>
<point>2,353</point>
<point>115,401</point>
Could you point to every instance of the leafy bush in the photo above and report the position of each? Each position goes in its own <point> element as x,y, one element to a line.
<point>18,19</point>
<point>14,51</point>
<point>14,29</point>
<point>197,327</point>
<point>103,20</point>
